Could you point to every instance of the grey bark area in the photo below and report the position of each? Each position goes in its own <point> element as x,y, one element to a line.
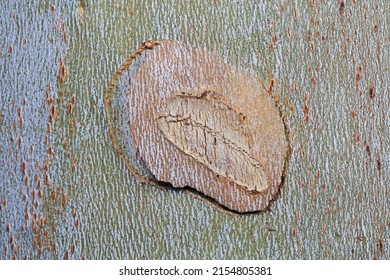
<point>198,122</point>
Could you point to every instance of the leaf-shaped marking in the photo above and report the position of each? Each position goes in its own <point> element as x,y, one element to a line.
<point>207,128</point>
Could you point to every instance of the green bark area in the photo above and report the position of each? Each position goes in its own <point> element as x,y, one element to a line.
<point>70,196</point>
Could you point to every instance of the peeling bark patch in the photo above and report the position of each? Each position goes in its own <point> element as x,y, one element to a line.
<point>216,135</point>
<point>195,121</point>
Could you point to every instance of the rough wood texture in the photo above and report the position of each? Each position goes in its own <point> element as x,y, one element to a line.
<point>65,193</point>
<point>199,122</point>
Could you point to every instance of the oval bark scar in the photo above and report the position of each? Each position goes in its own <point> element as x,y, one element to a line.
<point>196,121</point>
<point>205,127</point>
